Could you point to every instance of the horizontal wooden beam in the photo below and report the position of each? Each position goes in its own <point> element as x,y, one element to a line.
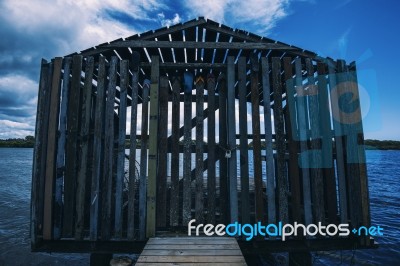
<point>200,45</point>
<point>185,65</point>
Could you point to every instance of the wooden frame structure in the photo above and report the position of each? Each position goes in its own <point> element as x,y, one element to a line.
<point>305,145</point>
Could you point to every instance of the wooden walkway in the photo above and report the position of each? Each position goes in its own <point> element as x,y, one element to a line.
<point>191,251</point>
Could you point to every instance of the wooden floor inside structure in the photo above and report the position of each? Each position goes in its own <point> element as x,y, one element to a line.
<point>191,251</point>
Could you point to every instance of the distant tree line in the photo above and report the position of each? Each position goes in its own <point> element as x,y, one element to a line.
<point>29,141</point>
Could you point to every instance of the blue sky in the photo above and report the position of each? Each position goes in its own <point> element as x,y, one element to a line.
<point>365,31</point>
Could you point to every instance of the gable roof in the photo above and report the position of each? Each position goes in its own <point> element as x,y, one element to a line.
<point>222,41</point>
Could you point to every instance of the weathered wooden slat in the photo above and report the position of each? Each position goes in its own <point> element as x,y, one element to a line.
<point>303,137</point>
<point>152,243</point>
<point>191,252</point>
<point>108,162</point>
<point>198,259</point>
<point>86,108</point>
<point>97,149</point>
<point>143,159</point>
<point>54,93</point>
<point>364,193</point>
<point>60,164</point>
<point>349,123</point>
<point>327,152</point>
<point>153,149</point>
<point>162,153</point>
<point>174,205</point>
<point>211,156</point>
<point>255,111</point>
<point>124,81</point>
<point>223,166</point>
<point>199,201</point>
<point>71,147</point>
<point>132,148</point>
<point>317,184</point>
<point>191,263</point>
<point>281,179</point>
<point>268,141</point>
<point>201,45</point>
<point>244,154</point>
<point>337,127</point>
<point>187,156</point>
<point>232,161</point>
<point>38,153</point>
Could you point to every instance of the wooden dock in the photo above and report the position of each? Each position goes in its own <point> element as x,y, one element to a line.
<point>191,251</point>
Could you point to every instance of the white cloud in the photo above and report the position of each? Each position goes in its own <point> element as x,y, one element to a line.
<point>259,15</point>
<point>168,22</point>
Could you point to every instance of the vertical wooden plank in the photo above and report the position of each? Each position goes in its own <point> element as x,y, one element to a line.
<point>223,166</point>
<point>349,123</point>
<point>255,111</point>
<point>124,81</point>
<point>281,179</point>
<point>83,153</point>
<point>162,153</point>
<point>71,147</point>
<point>38,153</point>
<point>51,149</point>
<point>187,153</point>
<point>107,182</point>
<point>363,183</point>
<point>174,205</point>
<point>153,149</point>
<point>97,149</point>
<point>60,168</point>
<point>340,166</point>
<point>143,159</point>
<point>199,202</point>
<point>211,175</point>
<point>303,137</point>
<point>327,152</point>
<point>244,153</point>
<point>317,184</point>
<point>268,141</point>
<point>132,149</point>
<point>232,161</point>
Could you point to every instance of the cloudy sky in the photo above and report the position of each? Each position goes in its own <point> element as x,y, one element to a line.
<point>361,30</point>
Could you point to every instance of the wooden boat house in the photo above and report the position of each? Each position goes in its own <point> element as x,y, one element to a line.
<point>129,147</point>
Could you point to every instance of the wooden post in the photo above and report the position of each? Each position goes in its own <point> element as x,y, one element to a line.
<point>338,144</point>
<point>281,179</point>
<point>108,151</point>
<point>51,149</point>
<point>143,160</point>
<point>255,110</point>
<point>317,184</point>
<point>199,203</point>
<point>303,137</point>
<point>60,167</point>
<point>71,147</point>
<point>38,153</point>
<point>223,167</point>
<point>211,175</point>
<point>174,205</point>
<point>327,151</point>
<point>162,153</point>
<point>232,161</point>
<point>132,148</point>
<point>124,81</point>
<point>153,149</point>
<point>97,149</point>
<point>268,141</point>
<point>187,154</point>
<point>244,153</point>
<point>84,136</point>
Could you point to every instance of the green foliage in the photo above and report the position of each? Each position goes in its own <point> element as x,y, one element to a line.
<point>27,142</point>
<point>373,144</point>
